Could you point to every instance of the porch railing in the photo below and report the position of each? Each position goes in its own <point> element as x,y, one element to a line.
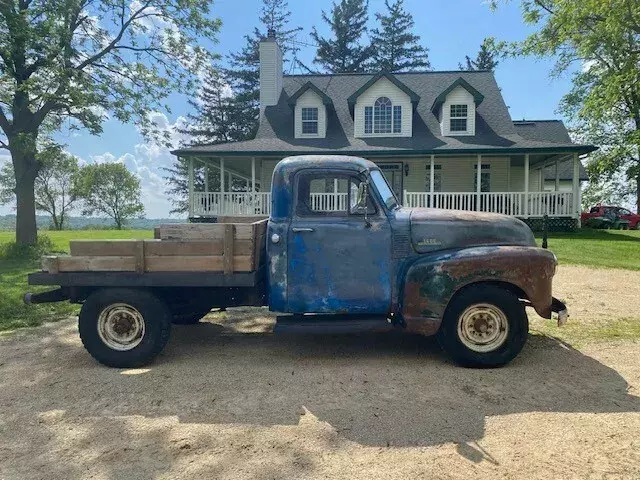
<point>519,204</point>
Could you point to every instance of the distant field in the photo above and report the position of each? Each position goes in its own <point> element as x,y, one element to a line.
<point>61,239</point>
<point>597,248</point>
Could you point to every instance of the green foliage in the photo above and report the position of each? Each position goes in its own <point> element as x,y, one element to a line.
<point>604,103</point>
<point>486,59</point>
<point>112,190</point>
<point>16,251</point>
<point>343,52</point>
<point>396,48</point>
<point>55,184</point>
<point>73,62</point>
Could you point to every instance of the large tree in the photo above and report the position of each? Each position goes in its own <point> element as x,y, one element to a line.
<point>486,59</point>
<point>73,62</point>
<point>600,42</point>
<point>112,190</point>
<point>397,48</point>
<point>344,51</point>
<point>55,186</point>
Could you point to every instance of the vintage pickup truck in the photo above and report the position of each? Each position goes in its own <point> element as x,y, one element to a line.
<point>366,264</point>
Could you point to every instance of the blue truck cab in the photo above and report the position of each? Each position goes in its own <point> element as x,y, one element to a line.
<point>349,262</point>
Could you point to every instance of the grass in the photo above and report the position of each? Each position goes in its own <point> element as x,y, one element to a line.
<point>13,277</point>
<point>597,248</point>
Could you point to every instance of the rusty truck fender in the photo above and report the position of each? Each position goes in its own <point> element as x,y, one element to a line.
<point>432,280</point>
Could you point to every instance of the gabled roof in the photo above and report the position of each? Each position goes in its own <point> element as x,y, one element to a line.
<point>415,98</point>
<point>460,82</point>
<point>310,86</point>
<point>495,130</point>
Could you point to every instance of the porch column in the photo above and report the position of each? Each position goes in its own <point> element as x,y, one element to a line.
<point>206,177</point>
<point>190,169</point>
<point>525,210</point>
<point>253,174</point>
<point>432,182</point>
<point>478,182</point>
<point>576,186</point>
<point>221,175</point>
<point>557,188</point>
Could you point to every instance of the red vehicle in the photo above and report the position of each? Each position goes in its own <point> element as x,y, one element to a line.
<point>612,213</point>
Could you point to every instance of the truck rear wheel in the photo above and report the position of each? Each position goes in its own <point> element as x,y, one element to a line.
<point>484,326</point>
<point>124,328</point>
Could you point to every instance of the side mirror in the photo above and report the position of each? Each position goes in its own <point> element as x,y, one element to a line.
<point>361,200</point>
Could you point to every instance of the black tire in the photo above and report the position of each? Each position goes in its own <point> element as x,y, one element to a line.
<point>449,336</point>
<point>156,320</point>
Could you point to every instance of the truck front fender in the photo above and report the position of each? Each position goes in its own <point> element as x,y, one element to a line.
<point>432,281</point>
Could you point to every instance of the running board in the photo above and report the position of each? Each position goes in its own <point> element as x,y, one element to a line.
<point>331,324</point>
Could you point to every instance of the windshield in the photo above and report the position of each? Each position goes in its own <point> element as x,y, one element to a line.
<point>388,197</point>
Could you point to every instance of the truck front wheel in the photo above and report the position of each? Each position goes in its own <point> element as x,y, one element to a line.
<point>484,326</point>
<point>124,328</point>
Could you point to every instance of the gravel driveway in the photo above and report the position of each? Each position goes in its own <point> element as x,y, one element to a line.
<point>227,399</point>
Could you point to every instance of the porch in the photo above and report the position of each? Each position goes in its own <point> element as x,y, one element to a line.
<point>511,185</point>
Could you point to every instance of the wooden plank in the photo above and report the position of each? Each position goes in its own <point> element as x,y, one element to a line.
<point>228,247</point>
<point>195,247</point>
<point>211,263</point>
<point>140,256</point>
<point>50,264</point>
<point>245,219</point>
<point>260,248</point>
<point>156,233</point>
<point>201,231</point>
<point>102,248</point>
<point>97,264</point>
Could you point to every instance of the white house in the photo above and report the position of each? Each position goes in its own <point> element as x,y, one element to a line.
<point>443,139</point>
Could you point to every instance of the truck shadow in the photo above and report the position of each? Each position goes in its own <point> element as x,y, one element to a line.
<point>375,389</point>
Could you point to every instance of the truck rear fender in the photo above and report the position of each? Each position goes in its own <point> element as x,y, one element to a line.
<point>432,281</point>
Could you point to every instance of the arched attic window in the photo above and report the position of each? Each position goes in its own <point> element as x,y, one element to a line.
<point>383,117</point>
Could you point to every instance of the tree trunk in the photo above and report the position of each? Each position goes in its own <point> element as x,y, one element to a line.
<point>638,194</point>
<point>26,230</point>
<point>25,167</point>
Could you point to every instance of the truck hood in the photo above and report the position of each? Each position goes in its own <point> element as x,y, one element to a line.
<point>434,229</point>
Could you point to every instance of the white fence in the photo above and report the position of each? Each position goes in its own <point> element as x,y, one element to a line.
<point>520,204</point>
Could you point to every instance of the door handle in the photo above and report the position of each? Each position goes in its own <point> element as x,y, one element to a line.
<point>302,229</point>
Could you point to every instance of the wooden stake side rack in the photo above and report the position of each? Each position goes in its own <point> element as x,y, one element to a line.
<point>234,244</point>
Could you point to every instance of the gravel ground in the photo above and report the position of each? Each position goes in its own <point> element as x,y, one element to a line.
<point>227,399</point>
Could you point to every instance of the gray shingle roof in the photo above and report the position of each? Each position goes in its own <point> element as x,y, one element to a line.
<point>495,131</point>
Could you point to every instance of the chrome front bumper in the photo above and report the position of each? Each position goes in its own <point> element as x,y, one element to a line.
<point>560,308</point>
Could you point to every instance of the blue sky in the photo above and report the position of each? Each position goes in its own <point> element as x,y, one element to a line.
<point>451,29</point>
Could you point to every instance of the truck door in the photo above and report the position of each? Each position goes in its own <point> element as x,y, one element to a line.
<point>339,261</point>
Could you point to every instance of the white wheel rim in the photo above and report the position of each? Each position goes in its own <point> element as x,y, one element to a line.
<point>121,327</point>
<point>483,327</point>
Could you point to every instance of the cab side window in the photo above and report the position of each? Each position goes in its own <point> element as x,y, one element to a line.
<point>328,194</point>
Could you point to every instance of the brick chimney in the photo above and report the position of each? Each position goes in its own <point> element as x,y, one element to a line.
<point>270,70</point>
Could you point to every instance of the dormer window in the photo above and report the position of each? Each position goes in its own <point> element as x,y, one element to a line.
<point>458,118</point>
<point>309,120</point>
<point>383,117</point>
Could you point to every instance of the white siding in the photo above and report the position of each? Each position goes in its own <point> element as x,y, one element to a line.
<point>270,73</point>
<point>383,88</point>
<point>458,96</point>
<point>310,99</point>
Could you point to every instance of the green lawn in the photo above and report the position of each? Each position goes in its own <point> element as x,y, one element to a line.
<point>597,248</point>
<point>13,279</point>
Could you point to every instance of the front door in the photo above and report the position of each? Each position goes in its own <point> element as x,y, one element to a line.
<point>338,261</point>
<point>393,173</point>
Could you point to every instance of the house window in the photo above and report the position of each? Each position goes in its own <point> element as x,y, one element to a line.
<point>458,118</point>
<point>437,178</point>
<point>368,119</point>
<point>397,118</point>
<point>382,119</point>
<point>485,178</point>
<point>310,120</point>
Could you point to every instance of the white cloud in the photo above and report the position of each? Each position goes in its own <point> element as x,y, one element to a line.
<point>147,161</point>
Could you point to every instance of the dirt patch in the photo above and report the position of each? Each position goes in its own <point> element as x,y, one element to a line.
<point>227,399</point>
